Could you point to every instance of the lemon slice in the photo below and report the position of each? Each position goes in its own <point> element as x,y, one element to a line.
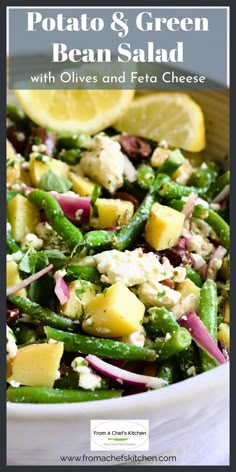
<point>171,116</point>
<point>73,111</point>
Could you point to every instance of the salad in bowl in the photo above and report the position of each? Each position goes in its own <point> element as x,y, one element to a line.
<point>117,254</point>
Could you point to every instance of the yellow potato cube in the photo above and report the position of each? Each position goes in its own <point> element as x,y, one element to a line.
<point>183,173</point>
<point>36,365</point>
<point>114,313</point>
<point>13,277</point>
<point>159,156</point>
<point>226,312</point>
<point>22,215</point>
<point>224,334</point>
<point>188,288</point>
<point>164,227</point>
<point>81,185</point>
<point>81,292</point>
<point>13,164</point>
<point>25,177</point>
<point>111,212</point>
<point>38,169</point>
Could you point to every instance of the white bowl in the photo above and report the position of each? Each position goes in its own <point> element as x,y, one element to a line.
<point>189,419</point>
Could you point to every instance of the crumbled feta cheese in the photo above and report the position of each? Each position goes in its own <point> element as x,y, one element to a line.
<point>167,336</point>
<point>191,302</point>
<point>104,163</point>
<point>137,338</point>
<point>154,293</point>
<point>87,379</point>
<point>31,239</point>
<point>16,187</point>
<point>131,267</point>
<point>179,274</point>
<point>44,230</point>
<point>11,344</point>
<point>16,256</point>
<point>191,371</point>
<point>25,165</point>
<point>14,384</point>
<point>200,245</point>
<point>202,202</point>
<point>39,148</point>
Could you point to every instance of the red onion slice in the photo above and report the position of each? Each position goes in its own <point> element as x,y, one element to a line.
<point>61,288</point>
<point>198,261</point>
<point>222,195</point>
<point>200,335</point>
<point>24,283</point>
<point>189,205</point>
<point>121,375</point>
<point>217,256</point>
<point>75,208</point>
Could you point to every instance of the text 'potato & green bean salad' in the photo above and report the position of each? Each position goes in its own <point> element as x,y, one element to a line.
<point>117,254</point>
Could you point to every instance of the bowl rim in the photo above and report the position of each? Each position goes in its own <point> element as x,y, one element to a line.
<point>167,397</point>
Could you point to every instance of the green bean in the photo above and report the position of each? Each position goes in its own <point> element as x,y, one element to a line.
<point>99,239</point>
<point>193,276</point>
<point>100,347</point>
<point>209,307</point>
<point>145,176</point>
<point>189,362</point>
<point>84,272</point>
<point>12,247</point>
<point>172,190</point>
<point>208,310</point>
<point>74,141</point>
<point>218,186</point>
<point>56,395</point>
<point>69,233</point>
<point>44,315</point>
<point>220,227</point>
<point>161,319</point>
<point>129,234</point>
<point>168,370</point>
<point>168,347</point>
<point>70,156</point>
<point>17,116</point>
<point>203,176</point>
<point>172,163</point>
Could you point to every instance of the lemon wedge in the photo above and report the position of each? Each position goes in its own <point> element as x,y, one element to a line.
<point>170,116</point>
<point>73,111</point>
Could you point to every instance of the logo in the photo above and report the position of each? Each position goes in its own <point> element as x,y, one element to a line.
<point>119,435</point>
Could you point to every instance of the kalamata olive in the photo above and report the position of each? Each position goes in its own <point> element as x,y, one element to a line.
<point>17,138</point>
<point>178,254</point>
<point>13,314</point>
<point>169,283</point>
<point>41,137</point>
<point>135,148</point>
<point>128,197</point>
